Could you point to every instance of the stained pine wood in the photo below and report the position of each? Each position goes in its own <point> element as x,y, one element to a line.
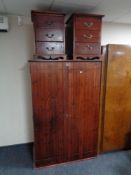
<point>49,34</point>
<point>48,92</point>
<point>86,49</point>
<point>49,48</point>
<point>117,113</point>
<point>48,19</point>
<point>102,98</point>
<point>88,22</point>
<point>84,34</point>
<point>66,110</point>
<point>85,87</point>
<point>87,36</point>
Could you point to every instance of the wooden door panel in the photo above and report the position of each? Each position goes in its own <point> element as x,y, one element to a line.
<point>117,113</point>
<point>47,87</point>
<point>86,105</point>
<point>82,109</point>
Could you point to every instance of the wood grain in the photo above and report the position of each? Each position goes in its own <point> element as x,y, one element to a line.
<point>49,32</point>
<point>48,20</point>
<point>88,22</point>
<point>49,48</point>
<point>66,110</point>
<point>42,34</point>
<point>83,36</point>
<point>87,36</point>
<point>87,49</point>
<point>117,117</point>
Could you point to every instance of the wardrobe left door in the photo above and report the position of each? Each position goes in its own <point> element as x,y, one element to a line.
<point>48,112</point>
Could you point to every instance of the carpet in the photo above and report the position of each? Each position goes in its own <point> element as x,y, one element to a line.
<point>17,160</point>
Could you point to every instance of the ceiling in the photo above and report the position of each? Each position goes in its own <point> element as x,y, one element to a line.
<point>114,10</point>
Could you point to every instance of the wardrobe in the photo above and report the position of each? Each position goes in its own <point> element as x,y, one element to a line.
<point>65,90</point>
<point>66,110</point>
<point>116,108</point>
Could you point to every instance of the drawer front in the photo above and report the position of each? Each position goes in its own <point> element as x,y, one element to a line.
<point>48,21</point>
<point>87,36</point>
<point>49,34</point>
<point>90,48</point>
<point>49,48</point>
<point>90,23</point>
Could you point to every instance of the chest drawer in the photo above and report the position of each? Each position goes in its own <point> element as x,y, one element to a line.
<point>87,36</point>
<point>47,21</point>
<point>87,48</point>
<point>90,23</point>
<point>49,34</point>
<point>49,48</point>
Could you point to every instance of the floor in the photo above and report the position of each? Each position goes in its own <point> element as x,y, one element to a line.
<point>17,160</point>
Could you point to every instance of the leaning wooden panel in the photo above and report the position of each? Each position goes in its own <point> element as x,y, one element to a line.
<point>117,114</point>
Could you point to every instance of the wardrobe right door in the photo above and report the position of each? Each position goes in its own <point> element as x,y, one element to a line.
<point>85,85</point>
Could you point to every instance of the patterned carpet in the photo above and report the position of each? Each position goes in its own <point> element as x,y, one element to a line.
<point>17,160</point>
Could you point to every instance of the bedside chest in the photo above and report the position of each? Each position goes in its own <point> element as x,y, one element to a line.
<point>84,36</point>
<point>49,34</point>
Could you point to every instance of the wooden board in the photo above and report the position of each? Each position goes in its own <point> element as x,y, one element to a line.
<point>117,113</point>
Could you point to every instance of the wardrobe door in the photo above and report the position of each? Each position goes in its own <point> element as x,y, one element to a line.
<point>83,109</point>
<point>117,111</point>
<point>48,109</point>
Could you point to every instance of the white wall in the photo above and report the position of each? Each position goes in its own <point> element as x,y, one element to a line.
<point>113,33</point>
<point>16,48</point>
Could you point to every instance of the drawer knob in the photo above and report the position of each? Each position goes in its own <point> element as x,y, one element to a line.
<point>88,24</point>
<point>88,36</point>
<point>50,36</point>
<point>50,49</point>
